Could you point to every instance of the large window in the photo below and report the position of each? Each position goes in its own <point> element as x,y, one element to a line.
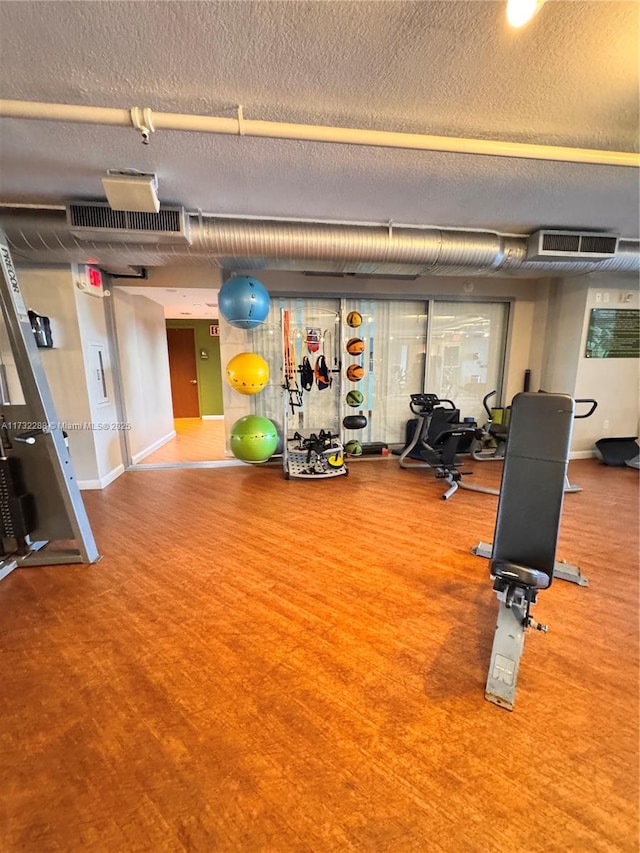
<point>452,349</point>
<point>466,353</point>
<point>394,333</point>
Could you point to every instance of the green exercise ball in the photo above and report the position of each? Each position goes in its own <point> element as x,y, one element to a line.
<point>353,448</point>
<point>355,399</point>
<point>253,439</point>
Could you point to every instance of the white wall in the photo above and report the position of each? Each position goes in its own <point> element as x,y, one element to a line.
<point>144,363</point>
<point>537,324</point>
<point>180,276</point>
<point>93,333</point>
<point>78,326</point>
<point>51,292</point>
<point>564,329</point>
<point>613,382</point>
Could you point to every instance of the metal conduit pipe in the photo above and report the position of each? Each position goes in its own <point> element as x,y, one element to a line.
<point>629,261</point>
<point>251,244</point>
<point>146,121</point>
<point>431,251</point>
<point>356,244</point>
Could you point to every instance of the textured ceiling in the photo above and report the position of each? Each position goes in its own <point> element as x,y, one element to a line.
<point>181,302</point>
<point>444,68</point>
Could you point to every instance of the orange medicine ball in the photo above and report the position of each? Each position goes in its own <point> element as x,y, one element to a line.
<point>355,346</point>
<point>355,372</point>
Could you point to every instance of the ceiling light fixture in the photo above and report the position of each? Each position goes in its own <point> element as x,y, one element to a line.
<point>519,12</point>
<point>131,190</point>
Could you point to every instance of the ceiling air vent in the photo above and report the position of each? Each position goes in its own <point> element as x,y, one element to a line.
<point>97,221</point>
<point>570,246</point>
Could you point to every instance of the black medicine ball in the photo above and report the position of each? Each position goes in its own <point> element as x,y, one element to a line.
<point>354,422</point>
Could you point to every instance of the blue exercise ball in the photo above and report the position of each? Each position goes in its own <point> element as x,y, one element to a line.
<point>243,302</point>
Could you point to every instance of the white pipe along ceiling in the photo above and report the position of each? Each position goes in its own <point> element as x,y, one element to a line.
<point>146,121</point>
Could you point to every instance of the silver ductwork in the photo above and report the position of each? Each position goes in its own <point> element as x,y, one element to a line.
<point>237,244</point>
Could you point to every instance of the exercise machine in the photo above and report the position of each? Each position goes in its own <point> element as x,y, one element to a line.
<point>42,518</point>
<point>492,442</point>
<point>593,405</point>
<point>527,525</point>
<point>436,440</point>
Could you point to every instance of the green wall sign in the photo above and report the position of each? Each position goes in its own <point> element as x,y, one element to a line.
<point>613,333</point>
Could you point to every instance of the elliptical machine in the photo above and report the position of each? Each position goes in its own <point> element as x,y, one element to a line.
<point>492,439</point>
<point>436,440</point>
<point>492,442</point>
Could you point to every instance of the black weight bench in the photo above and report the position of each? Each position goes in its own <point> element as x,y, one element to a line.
<point>507,574</point>
<point>527,525</point>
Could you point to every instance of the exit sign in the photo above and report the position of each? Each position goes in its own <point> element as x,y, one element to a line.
<point>89,280</point>
<point>214,331</point>
<point>95,278</point>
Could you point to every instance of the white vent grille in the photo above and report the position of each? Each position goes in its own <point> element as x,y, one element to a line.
<point>571,245</point>
<point>97,221</point>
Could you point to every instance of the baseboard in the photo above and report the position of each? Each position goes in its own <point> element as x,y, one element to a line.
<point>219,463</point>
<point>156,444</point>
<point>582,454</point>
<point>212,417</point>
<point>103,482</point>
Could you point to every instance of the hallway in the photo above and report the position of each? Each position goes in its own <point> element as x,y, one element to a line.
<point>196,440</point>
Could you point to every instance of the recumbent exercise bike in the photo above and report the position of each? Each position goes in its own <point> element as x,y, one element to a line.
<point>436,440</point>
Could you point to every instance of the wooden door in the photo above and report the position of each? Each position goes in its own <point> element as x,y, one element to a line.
<point>184,375</point>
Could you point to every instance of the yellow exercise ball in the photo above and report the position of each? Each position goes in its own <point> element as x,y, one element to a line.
<point>248,373</point>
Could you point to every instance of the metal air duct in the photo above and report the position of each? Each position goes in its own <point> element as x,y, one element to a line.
<point>235,244</point>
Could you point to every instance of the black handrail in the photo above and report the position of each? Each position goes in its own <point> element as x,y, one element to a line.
<point>581,400</point>
<point>424,404</point>
<point>594,406</point>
